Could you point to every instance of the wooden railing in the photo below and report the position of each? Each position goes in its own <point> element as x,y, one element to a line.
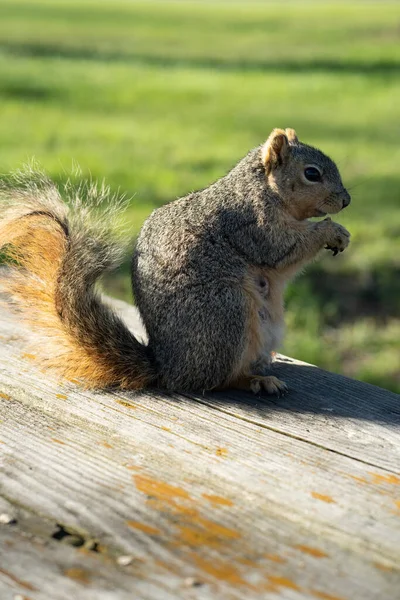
<point>223,496</point>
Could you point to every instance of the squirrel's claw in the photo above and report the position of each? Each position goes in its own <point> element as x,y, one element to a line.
<point>334,250</point>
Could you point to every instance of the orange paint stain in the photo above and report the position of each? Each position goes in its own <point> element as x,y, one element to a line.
<point>221,452</point>
<point>24,584</point>
<point>78,574</point>
<point>323,497</point>
<point>392,479</point>
<point>58,441</point>
<point>62,396</point>
<point>132,468</point>
<point>159,489</point>
<point>220,570</point>
<point>143,527</point>
<point>312,551</point>
<point>217,500</point>
<point>283,582</point>
<point>106,445</point>
<point>275,558</point>
<point>397,503</point>
<point>5,396</point>
<point>324,595</point>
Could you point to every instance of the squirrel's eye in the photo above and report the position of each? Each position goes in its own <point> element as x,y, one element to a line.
<point>312,174</point>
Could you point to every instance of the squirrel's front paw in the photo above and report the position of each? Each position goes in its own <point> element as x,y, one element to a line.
<point>338,237</point>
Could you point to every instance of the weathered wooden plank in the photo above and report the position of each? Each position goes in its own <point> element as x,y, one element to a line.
<point>344,415</point>
<point>225,526</point>
<point>35,567</point>
<point>194,488</point>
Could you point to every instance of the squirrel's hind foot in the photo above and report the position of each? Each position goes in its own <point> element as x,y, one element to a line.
<point>258,383</point>
<point>270,384</point>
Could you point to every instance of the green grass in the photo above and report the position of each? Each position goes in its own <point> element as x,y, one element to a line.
<point>160,98</point>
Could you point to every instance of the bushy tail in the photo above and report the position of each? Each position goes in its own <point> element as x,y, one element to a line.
<point>55,253</point>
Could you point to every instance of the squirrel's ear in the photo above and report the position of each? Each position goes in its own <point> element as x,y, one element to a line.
<point>275,149</point>
<point>291,136</point>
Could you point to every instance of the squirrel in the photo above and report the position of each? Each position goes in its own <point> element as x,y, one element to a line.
<point>209,272</point>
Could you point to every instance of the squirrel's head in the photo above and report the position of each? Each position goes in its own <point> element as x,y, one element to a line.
<point>307,181</point>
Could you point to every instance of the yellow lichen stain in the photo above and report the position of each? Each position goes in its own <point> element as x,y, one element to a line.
<point>275,558</point>
<point>220,570</point>
<point>217,500</point>
<point>166,428</point>
<point>247,562</point>
<point>359,479</point>
<point>62,396</point>
<point>312,551</point>
<point>24,584</point>
<point>169,567</point>
<point>78,574</point>
<point>202,532</point>
<point>382,567</point>
<point>221,451</point>
<point>159,489</point>
<point>87,550</point>
<point>397,503</point>
<point>106,445</point>
<point>5,396</point>
<point>143,527</point>
<point>126,404</point>
<point>132,467</point>
<point>58,441</point>
<point>218,530</point>
<point>324,595</point>
<point>323,497</point>
<point>27,356</point>
<point>279,581</point>
<point>378,478</point>
<point>191,529</point>
<point>186,513</point>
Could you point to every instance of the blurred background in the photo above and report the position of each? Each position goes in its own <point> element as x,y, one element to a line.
<point>161,98</point>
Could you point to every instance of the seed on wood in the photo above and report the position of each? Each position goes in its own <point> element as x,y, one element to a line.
<point>7,519</point>
<point>192,582</point>
<point>124,560</point>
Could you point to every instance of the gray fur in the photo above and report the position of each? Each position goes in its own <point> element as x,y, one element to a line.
<point>192,257</point>
<point>190,266</point>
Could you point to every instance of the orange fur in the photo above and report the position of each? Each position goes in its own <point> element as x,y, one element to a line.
<point>37,244</point>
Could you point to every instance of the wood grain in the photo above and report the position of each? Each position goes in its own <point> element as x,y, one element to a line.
<point>221,496</point>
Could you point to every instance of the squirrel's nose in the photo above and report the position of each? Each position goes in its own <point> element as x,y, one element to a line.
<point>346,198</point>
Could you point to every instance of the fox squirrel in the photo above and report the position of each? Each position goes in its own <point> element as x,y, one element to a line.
<point>209,272</point>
